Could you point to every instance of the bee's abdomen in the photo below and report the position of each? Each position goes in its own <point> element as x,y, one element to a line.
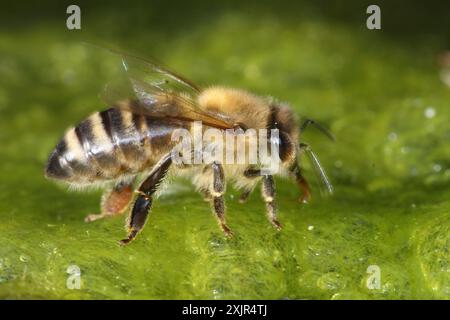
<point>109,144</point>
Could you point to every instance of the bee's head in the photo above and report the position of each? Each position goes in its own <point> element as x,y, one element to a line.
<point>283,119</point>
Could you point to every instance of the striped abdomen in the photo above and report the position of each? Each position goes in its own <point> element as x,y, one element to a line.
<point>110,144</point>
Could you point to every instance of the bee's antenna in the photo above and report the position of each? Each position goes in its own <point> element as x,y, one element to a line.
<point>325,184</point>
<point>321,128</point>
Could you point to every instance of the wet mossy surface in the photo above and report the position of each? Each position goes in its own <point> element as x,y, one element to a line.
<point>380,94</point>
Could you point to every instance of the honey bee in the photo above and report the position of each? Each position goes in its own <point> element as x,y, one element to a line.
<point>130,144</point>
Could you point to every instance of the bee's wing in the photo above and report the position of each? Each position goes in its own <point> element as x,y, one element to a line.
<point>164,103</point>
<point>162,93</point>
<point>156,75</point>
<point>118,90</point>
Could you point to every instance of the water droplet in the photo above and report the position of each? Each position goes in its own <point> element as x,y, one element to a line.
<point>392,136</point>
<point>216,293</point>
<point>331,281</point>
<point>437,167</point>
<point>252,71</point>
<point>430,112</point>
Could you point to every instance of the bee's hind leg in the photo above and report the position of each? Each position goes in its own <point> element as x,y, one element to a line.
<point>143,203</point>
<point>114,201</point>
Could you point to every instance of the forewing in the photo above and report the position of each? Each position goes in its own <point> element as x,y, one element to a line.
<point>156,75</point>
<point>162,93</point>
<point>172,105</point>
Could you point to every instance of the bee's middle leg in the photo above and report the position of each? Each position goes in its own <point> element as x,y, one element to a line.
<point>218,203</point>
<point>268,193</point>
<point>249,173</point>
<point>114,201</point>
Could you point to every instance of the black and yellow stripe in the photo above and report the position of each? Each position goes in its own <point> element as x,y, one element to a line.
<point>111,143</point>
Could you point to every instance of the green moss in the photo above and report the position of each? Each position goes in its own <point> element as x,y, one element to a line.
<point>390,165</point>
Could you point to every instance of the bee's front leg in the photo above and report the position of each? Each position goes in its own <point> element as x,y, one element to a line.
<point>114,202</point>
<point>141,208</point>
<point>296,171</point>
<point>268,193</point>
<point>218,189</point>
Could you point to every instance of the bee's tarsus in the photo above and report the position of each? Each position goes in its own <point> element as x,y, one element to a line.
<point>304,199</point>
<point>244,196</point>
<point>130,238</point>
<point>218,203</point>
<point>227,231</point>
<point>142,205</point>
<point>93,217</point>
<point>277,224</point>
<point>302,183</point>
<point>268,194</point>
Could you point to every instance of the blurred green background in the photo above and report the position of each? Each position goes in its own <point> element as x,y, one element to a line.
<point>384,93</point>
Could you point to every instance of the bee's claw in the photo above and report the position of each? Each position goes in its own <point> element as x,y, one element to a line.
<point>305,198</point>
<point>130,238</point>
<point>93,217</point>
<point>244,196</point>
<point>227,231</point>
<point>277,225</point>
<point>123,242</point>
